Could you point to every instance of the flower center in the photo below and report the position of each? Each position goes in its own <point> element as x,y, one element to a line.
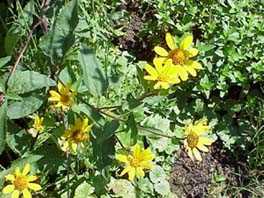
<point>78,136</point>
<point>66,98</point>
<point>133,161</point>
<point>162,78</point>
<point>192,140</point>
<point>20,183</point>
<point>178,56</point>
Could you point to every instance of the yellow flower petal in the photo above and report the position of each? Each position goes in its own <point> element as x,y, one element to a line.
<point>195,64</point>
<point>26,169</point>
<point>170,41</point>
<point>31,178</point>
<point>17,171</point>
<point>192,52</point>
<point>157,85</point>
<point>197,154</point>
<point>190,153</point>
<point>158,62</point>
<point>55,96</point>
<point>26,193</point>
<point>136,150</point>
<point>186,42</point>
<point>147,165</point>
<point>182,73</point>
<point>151,70</point>
<point>140,172</point>
<point>201,147</point>
<point>8,189</point>
<point>190,70</point>
<point>150,78</point>
<point>161,51</point>
<point>15,194</point>
<point>122,158</point>
<point>131,174</point>
<point>206,141</point>
<point>126,170</point>
<point>34,186</point>
<point>10,177</point>
<point>164,85</point>
<point>60,87</point>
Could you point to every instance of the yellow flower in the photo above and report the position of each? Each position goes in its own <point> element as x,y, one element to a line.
<point>163,75</point>
<point>135,163</point>
<point>64,98</point>
<point>38,124</point>
<point>180,56</point>
<point>76,135</point>
<point>21,183</point>
<point>195,139</point>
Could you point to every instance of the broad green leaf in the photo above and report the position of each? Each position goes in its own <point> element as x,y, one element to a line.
<point>83,190</point>
<point>162,187</point>
<point>157,174</point>
<point>122,188</point>
<point>26,81</point>
<point>60,38</point>
<point>3,109</point>
<point>93,76</point>
<point>23,108</point>
<point>4,61</point>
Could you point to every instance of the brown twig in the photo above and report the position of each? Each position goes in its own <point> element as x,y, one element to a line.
<point>24,48</point>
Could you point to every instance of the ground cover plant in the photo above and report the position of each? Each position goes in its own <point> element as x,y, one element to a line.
<point>137,98</point>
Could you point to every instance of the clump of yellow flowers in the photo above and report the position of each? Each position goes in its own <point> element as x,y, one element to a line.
<point>196,139</point>
<point>75,135</point>
<point>180,56</point>
<point>173,65</point>
<point>21,183</point>
<point>63,98</point>
<point>136,162</point>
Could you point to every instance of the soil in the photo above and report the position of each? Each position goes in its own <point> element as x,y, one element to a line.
<point>193,179</point>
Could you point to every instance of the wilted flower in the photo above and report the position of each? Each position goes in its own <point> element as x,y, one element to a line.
<point>195,139</point>
<point>76,135</point>
<point>136,162</point>
<point>163,75</point>
<point>180,56</point>
<point>21,183</point>
<point>64,98</point>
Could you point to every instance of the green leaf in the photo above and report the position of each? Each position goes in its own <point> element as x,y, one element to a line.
<point>4,61</point>
<point>162,187</point>
<point>23,108</point>
<point>26,81</point>
<point>3,109</point>
<point>122,188</point>
<point>83,190</point>
<point>61,37</point>
<point>93,76</point>
<point>157,174</point>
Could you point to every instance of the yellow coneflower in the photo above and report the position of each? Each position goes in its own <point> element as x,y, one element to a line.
<point>196,140</point>
<point>64,98</point>
<point>76,135</point>
<point>163,75</point>
<point>21,183</point>
<point>136,162</point>
<point>180,56</point>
